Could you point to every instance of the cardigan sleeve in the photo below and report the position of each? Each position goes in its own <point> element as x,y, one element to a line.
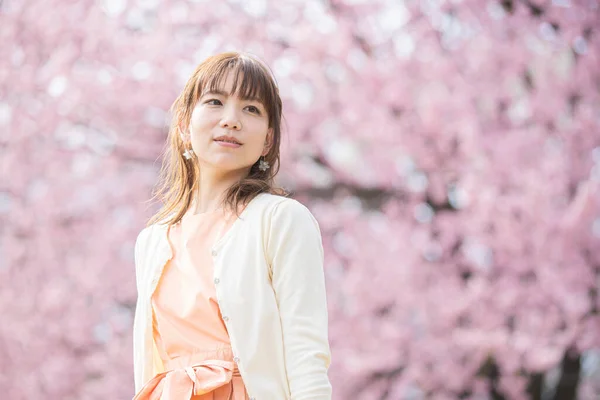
<point>137,255</point>
<point>138,320</point>
<point>295,252</point>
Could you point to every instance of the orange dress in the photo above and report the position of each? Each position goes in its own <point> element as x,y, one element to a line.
<point>188,328</point>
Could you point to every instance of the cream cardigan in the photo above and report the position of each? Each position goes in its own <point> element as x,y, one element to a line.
<point>269,280</point>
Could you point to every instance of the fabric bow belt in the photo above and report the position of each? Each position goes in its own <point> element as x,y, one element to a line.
<point>183,383</point>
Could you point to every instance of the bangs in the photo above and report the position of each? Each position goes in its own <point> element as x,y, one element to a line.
<point>253,85</point>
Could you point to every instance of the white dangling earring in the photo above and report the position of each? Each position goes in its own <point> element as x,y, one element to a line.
<point>263,165</point>
<point>188,153</point>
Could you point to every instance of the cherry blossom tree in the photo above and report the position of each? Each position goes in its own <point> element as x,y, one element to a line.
<point>449,149</point>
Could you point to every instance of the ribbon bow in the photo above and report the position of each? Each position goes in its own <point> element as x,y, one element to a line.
<point>183,383</point>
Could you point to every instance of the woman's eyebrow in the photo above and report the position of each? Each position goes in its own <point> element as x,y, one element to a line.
<point>224,94</point>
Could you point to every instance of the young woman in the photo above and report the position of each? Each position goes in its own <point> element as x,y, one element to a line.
<point>229,272</point>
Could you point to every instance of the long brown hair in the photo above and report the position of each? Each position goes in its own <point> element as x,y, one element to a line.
<point>178,178</point>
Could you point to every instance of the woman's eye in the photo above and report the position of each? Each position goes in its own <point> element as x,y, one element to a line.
<point>254,109</point>
<point>209,102</point>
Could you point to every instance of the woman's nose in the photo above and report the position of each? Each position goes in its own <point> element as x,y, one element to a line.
<point>231,120</point>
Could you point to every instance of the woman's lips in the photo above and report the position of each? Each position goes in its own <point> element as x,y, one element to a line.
<point>227,144</point>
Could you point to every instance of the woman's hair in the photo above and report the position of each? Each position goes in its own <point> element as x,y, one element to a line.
<point>179,176</point>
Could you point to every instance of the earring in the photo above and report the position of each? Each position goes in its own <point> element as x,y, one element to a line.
<point>188,153</point>
<point>263,165</point>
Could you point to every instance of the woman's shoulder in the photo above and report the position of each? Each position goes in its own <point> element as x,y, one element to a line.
<point>148,234</point>
<point>282,212</point>
<point>142,236</point>
<point>276,204</point>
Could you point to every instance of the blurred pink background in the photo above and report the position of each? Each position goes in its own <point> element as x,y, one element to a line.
<point>449,149</point>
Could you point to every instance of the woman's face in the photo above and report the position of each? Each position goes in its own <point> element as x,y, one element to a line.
<point>217,114</point>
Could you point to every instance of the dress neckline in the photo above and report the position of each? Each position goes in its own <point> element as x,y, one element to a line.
<point>190,214</point>
<point>229,232</point>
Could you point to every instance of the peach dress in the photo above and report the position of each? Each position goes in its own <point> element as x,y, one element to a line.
<point>188,328</point>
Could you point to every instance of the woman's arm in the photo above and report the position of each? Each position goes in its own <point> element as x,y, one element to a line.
<point>295,251</point>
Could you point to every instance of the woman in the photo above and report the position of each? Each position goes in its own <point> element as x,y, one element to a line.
<point>229,273</point>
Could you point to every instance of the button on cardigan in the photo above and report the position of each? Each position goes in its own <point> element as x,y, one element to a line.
<point>271,288</point>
